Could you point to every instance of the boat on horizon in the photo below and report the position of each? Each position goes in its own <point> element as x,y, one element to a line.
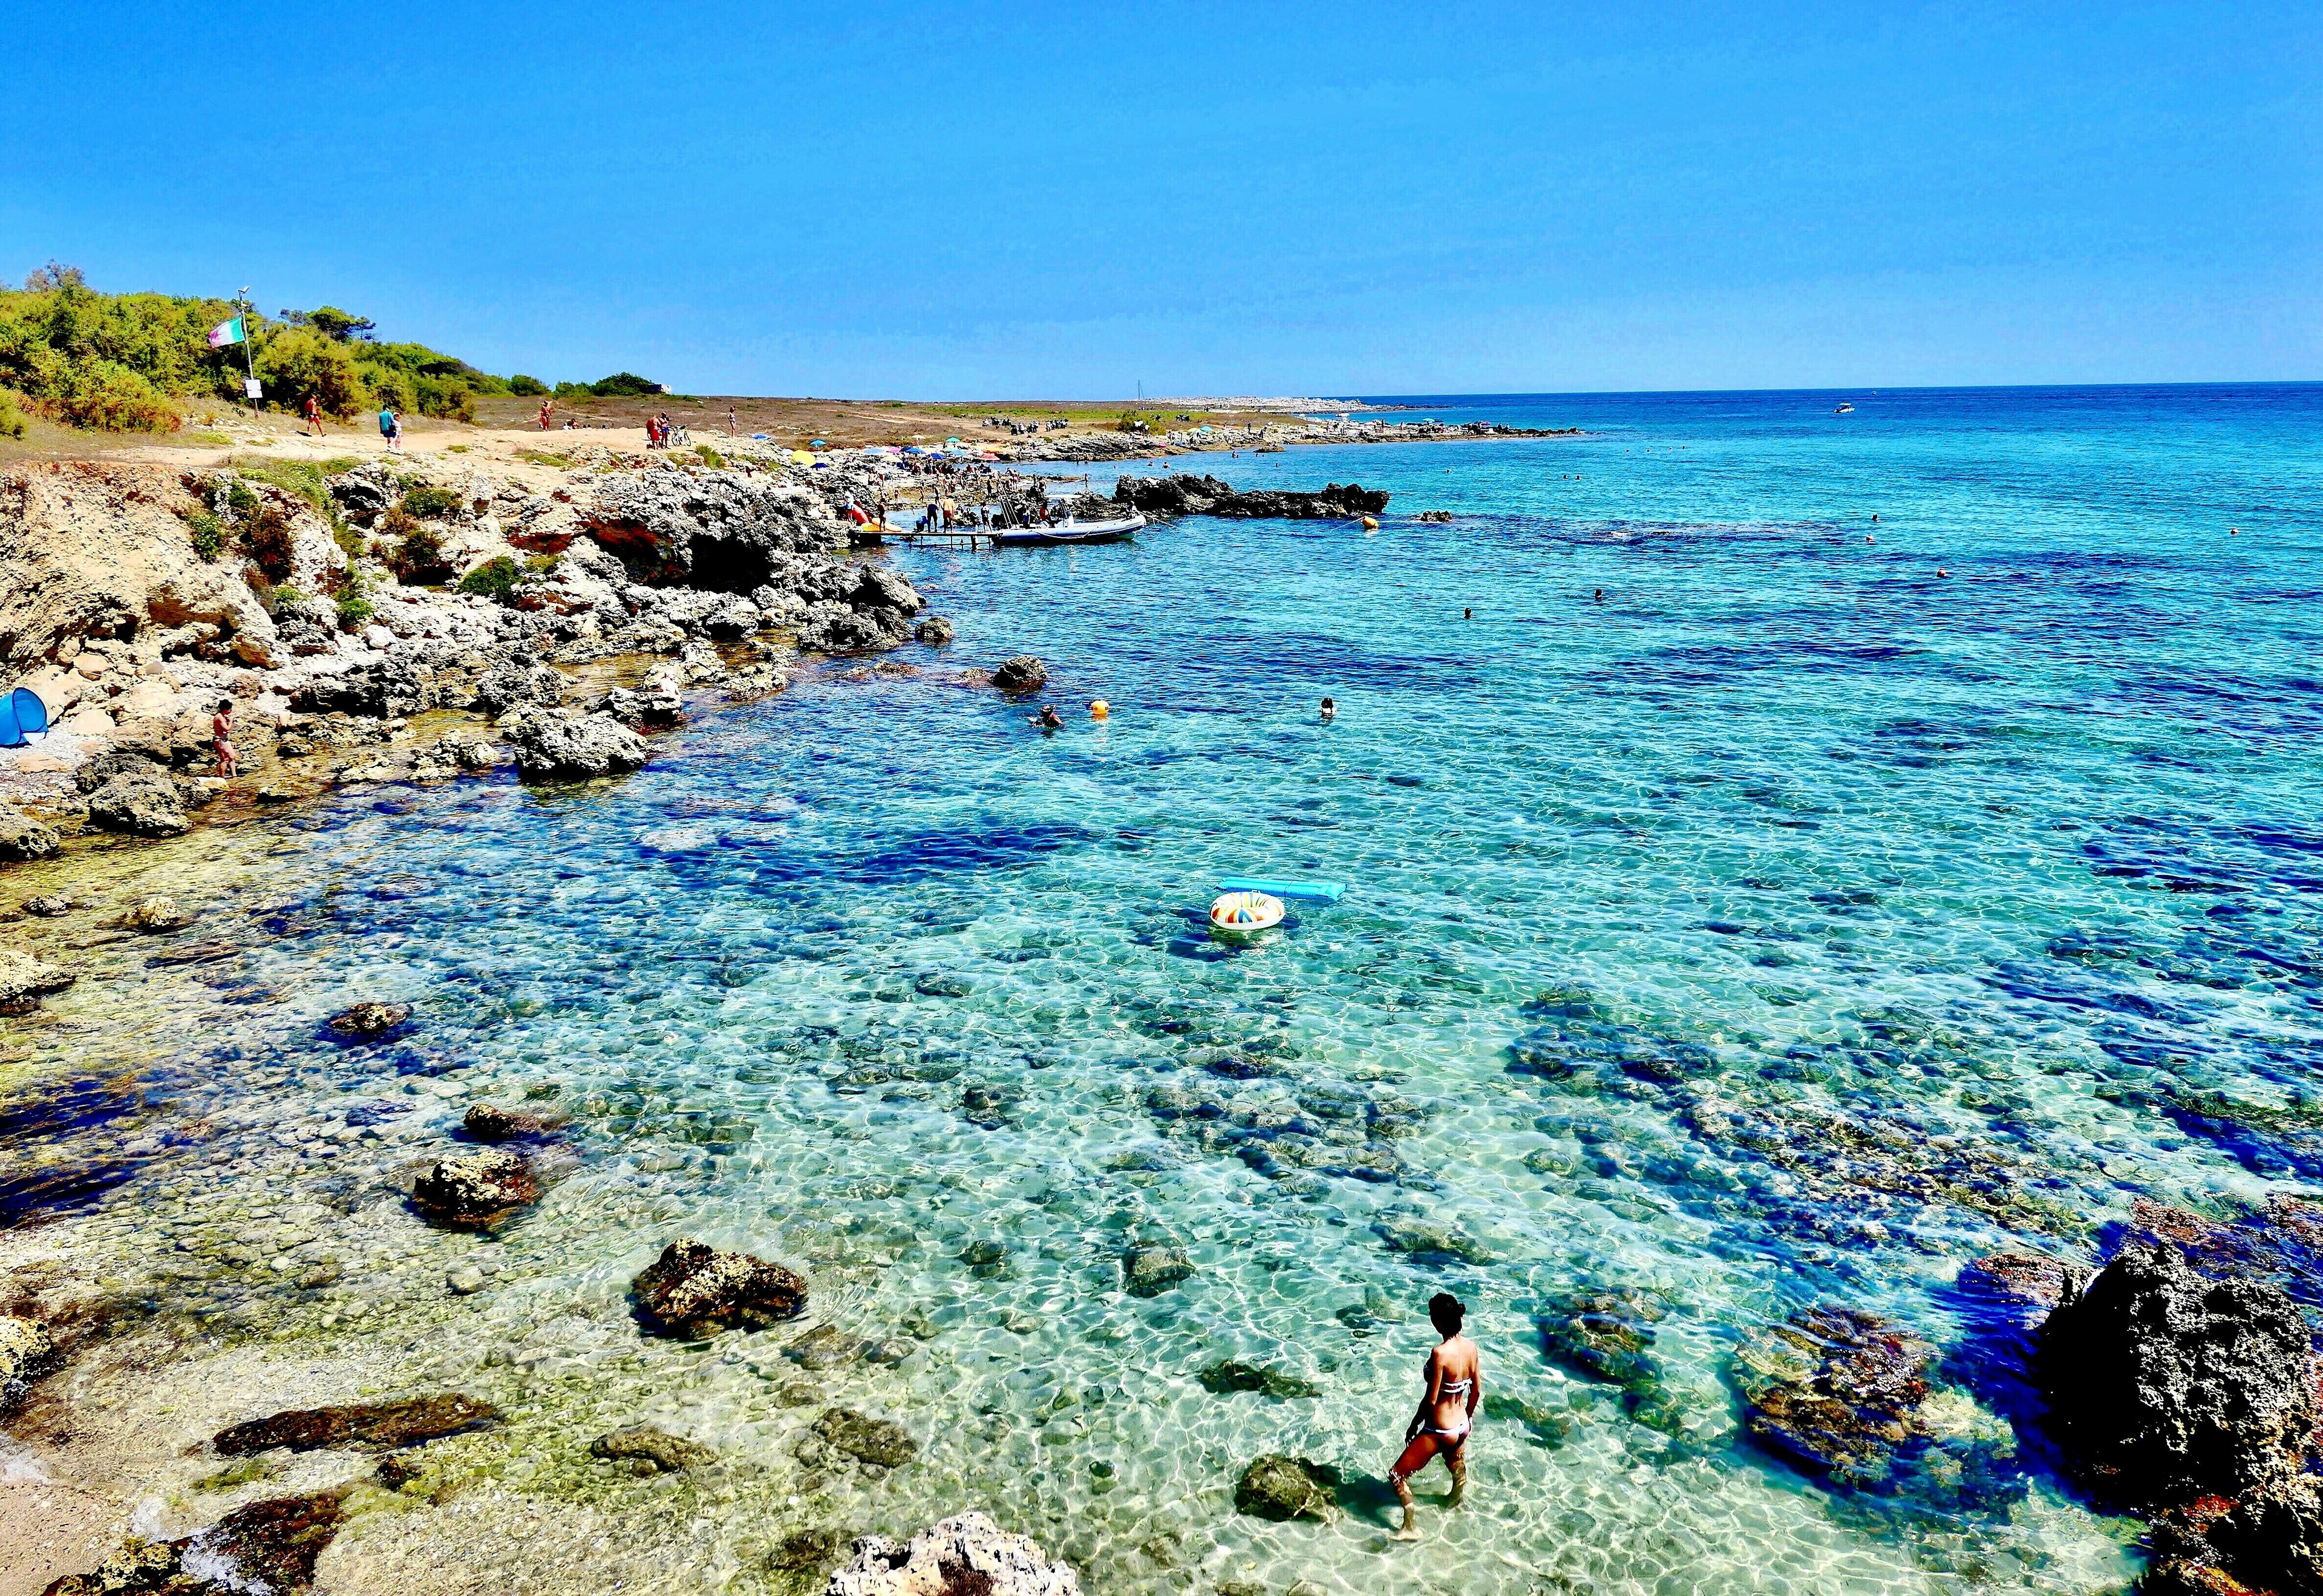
<point>1115,531</point>
<point>1845,410</point>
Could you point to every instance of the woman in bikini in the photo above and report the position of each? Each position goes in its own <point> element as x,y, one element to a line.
<point>1455,1385</point>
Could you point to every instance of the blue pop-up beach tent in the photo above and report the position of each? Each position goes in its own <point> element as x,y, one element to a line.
<point>24,718</point>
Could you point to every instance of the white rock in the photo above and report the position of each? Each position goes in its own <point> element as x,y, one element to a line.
<point>968,1552</point>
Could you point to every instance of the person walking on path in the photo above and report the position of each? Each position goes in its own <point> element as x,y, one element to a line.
<point>391,427</point>
<point>1455,1378</point>
<point>315,414</point>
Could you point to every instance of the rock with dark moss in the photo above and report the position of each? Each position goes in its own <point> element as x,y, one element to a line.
<point>272,1544</point>
<point>934,631</point>
<point>2164,1386</point>
<point>1281,1487</point>
<point>491,1122</point>
<point>692,1290</point>
<point>1023,674</point>
<point>477,1190</point>
<point>1150,1269</point>
<point>23,837</point>
<point>26,1351</point>
<point>1228,1375</point>
<point>1548,1426</point>
<point>156,916</point>
<point>370,1019</point>
<point>139,800</point>
<point>1836,1390</point>
<point>138,1567</point>
<point>1605,1335</point>
<point>385,1424</point>
<point>651,1450</point>
<point>1423,1242</point>
<point>966,1555</point>
<point>2022,1280</point>
<point>879,1442</point>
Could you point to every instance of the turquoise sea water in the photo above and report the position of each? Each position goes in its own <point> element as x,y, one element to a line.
<point>1786,928</point>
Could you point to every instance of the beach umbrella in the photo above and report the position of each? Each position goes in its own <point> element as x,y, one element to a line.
<point>952,443</point>
<point>819,444</point>
<point>801,457</point>
<point>24,718</point>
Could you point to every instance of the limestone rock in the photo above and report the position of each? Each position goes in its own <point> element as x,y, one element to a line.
<point>157,917</point>
<point>964,1555</point>
<point>1022,673</point>
<point>2164,1386</point>
<point>477,1190</point>
<point>24,980</point>
<point>139,800</point>
<point>1188,495</point>
<point>23,837</point>
<point>693,1290</point>
<point>935,632</point>
<point>1835,1389</point>
<point>380,1424</point>
<point>370,1019</point>
<point>559,746</point>
<point>657,1452</point>
<point>1281,1487</point>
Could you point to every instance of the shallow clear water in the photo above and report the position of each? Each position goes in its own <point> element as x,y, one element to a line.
<point>1789,926</point>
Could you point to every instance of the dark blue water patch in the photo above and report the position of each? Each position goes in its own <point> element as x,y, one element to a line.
<point>2050,984</point>
<point>926,856</point>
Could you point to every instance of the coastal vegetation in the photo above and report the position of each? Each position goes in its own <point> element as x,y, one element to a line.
<point>142,362</point>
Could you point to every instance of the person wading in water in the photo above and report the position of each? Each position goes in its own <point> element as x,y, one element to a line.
<point>1455,1386</point>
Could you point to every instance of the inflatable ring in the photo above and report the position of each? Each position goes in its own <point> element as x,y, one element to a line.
<point>1245,914</point>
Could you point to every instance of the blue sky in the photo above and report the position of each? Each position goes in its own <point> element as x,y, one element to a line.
<point>1035,200</point>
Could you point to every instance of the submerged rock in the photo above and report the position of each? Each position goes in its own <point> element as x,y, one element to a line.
<point>24,980</point>
<point>1231,1374</point>
<point>370,1019</point>
<point>488,1122</point>
<point>935,632</point>
<point>880,1442</point>
<point>24,838</point>
<point>1281,1487</point>
<point>2164,1386</point>
<point>964,1555</point>
<point>1023,674</point>
<point>1836,1390</point>
<point>1149,1269</point>
<point>655,1452</point>
<point>693,1291</point>
<point>476,1190</point>
<point>157,917</point>
<point>263,1547</point>
<point>380,1424</point>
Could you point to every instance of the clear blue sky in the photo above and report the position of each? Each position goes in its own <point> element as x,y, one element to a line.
<point>1039,200</point>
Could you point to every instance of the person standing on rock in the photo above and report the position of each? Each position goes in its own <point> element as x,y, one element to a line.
<point>1454,1380</point>
<point>222,737</point>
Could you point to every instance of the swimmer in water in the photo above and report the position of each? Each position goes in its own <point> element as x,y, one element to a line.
<point>1454,1380</point>
<point>1598,597</point>
<point>1330,708</point>
<point>1048,720</point>
<point>1467,614</point>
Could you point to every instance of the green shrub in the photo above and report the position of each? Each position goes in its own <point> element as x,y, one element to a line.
<point>491,580</point>
<point>207,532</point>
<point>623,385</point>
<point>430,503</point>
<point>12,417</point>
<point>710,456</point>
<point>537,564</point>
<point>449,400</point>
<point>106,396</point>
<point>296,363</point>
<point>355,609</point>
<point>545,457</point>
<point>525,387</point>
<point>266,539</point>
<point>419,558</point>
<point>286,594</point>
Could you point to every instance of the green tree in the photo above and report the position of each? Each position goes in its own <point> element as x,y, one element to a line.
<point>299,363</point>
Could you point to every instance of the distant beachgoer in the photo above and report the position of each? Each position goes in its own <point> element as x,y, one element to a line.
<point>1048,720</point>
<point>1330,708</point>
<point>545,406</point>
<point>387,425</point>
<point>315,414</point>
<point>222,738</point>
<point>1467,614</point>
<point>1598,597</point>
<point>1455,1378</point>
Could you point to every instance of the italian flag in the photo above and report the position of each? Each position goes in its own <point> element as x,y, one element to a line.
<point>225,333</point>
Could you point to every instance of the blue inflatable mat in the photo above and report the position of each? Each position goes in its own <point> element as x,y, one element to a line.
<point>23,718</point>
<point>1327,892</point>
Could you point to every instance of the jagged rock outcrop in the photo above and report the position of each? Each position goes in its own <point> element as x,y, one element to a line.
<point>1022,673</point>
<point>476,1191</point>
<point>1188,495</point>
<point>25,1350</point>
<point>139,800</point>
<point>23,837</point>
<point>727,530</point>
<point>550,744</point>
<point>964,1555</point>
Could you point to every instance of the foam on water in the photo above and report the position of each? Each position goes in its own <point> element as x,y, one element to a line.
<point>1789,927</point>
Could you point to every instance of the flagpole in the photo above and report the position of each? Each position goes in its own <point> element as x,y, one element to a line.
<point>249,365</point>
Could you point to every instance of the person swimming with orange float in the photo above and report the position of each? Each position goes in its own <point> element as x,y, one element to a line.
<point>1455,1377</point>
